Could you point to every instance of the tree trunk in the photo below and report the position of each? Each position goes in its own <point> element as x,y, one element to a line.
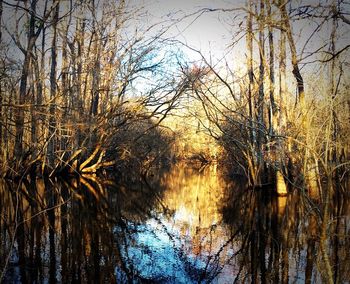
<point>33,120</point>
<point>281,187</point>
<point>53,91</point>
<point>81,39</point>
<point>19,112</point>
<point>334,91</point>
<point>295,61</point>
<point>251,96</point>
<point>66,90</point>
<point>95,90</point>
<point>1,94</point>
<point>95,86</point>
<point>40,81</point>
<point>250,72</point>
<point>77,99</point>
<point>273,108</point>
<point>261,97</point>
<point>282,80</point>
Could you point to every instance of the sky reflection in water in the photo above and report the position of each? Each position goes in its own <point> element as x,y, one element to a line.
<point>177,245</point>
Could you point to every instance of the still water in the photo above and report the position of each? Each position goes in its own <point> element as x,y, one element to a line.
<point>184,225</point>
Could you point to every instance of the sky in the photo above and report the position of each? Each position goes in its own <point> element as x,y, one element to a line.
<point>208,33</point>
<point>214,30</point>
<point>212,33</point>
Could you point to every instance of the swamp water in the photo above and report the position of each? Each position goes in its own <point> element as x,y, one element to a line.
<point>184,226</point>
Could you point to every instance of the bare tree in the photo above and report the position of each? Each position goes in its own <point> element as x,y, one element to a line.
<point>260,105</point>
<point>295,62</point>
<point>53,91</point>
<point>1,94</point>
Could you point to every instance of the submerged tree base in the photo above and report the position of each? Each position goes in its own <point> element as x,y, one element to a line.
<point>281,186</point>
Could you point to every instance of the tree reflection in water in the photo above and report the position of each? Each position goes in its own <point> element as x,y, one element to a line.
<point>279,237</point>
<point>185,226</point>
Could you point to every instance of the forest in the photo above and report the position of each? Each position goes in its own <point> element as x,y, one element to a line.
<point>119,119</point>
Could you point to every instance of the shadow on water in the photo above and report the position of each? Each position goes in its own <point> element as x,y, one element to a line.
<point>183,226</point>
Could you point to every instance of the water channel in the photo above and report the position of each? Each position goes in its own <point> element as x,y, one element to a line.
<point>184,225</point>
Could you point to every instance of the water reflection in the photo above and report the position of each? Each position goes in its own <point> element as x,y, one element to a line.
<point>183,226</point>
<point>281,238</point>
